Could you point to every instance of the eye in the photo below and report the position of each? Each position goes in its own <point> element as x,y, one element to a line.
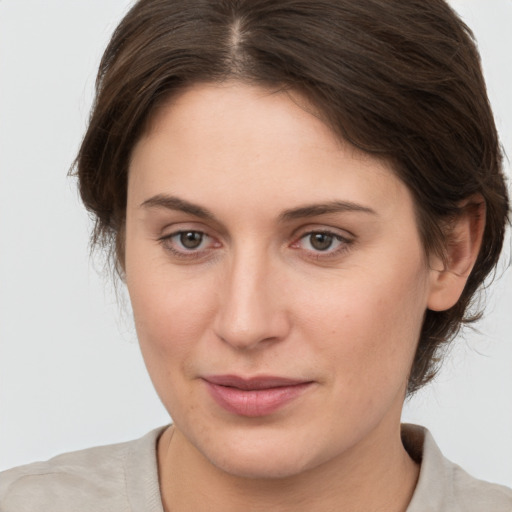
<point>188,243</point>
<point>322,243</point>
<point>190,239</point>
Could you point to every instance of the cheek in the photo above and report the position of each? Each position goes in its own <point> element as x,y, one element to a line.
<point>170,320</point>
<point>366,327</point>
<point>172,312</point>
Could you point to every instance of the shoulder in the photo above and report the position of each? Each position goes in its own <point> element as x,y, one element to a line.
<point>92,479</point>
<point>444,486</point>
<point>478,495</point>
<point>70,481</point>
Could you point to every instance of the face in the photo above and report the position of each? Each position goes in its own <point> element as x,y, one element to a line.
<point>277,279</point>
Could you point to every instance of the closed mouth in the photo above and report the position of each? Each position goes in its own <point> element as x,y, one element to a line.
<point>254,396</point>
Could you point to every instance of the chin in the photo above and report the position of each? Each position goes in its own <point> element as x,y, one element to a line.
<point>271,458</point>
<point>264,467</point>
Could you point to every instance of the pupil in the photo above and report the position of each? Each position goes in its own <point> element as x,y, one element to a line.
<point>191,239</point>
<point>321,241</point>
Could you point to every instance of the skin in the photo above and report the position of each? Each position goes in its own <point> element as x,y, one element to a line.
<point>257,297</point>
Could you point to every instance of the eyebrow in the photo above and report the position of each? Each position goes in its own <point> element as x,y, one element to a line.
<point>175,203</point>
<point>311,210</point>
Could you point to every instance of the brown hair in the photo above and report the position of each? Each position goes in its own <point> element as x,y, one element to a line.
<point>401,80</point>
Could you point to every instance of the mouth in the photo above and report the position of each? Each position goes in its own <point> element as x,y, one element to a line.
<point>256,396</point>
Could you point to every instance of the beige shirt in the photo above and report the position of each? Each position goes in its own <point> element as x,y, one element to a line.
<point>124,478</point>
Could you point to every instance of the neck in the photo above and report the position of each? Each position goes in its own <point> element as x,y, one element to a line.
<point>376,475</point>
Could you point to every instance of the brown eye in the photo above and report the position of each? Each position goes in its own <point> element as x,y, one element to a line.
<point>191,239</point>
<point>321,241</point>
<point>189,245</point>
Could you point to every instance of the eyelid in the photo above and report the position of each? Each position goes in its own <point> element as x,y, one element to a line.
<point>173,230</point>
<point>333,234</point>
<point>344,237</point>
<point>323,228</point>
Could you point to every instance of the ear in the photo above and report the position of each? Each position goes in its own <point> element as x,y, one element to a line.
<point>463,242</point>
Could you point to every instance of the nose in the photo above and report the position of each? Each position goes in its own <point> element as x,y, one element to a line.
<point>251,309</point>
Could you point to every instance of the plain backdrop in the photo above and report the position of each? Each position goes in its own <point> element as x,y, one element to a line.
<point>71,375</point>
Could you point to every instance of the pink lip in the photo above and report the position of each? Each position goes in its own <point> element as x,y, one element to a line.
<point>257,396</point>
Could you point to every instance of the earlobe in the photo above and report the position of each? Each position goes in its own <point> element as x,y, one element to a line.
<point>463,241</point>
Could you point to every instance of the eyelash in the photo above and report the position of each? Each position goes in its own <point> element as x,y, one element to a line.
<point>193,254</point>
<point>343,244</point>
<point>184,253</point>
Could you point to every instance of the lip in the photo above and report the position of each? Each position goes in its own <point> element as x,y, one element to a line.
<point>254,396</point>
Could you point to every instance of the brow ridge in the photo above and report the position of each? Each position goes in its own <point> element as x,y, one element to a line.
<point>176,203</point>
<point>312,210</point>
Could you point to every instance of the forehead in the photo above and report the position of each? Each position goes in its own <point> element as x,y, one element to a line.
<point>234,140</point>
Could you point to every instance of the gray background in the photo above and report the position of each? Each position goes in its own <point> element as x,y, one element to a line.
<point>71,375</point>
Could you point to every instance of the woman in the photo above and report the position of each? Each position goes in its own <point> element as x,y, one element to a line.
<point>303,198</point>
